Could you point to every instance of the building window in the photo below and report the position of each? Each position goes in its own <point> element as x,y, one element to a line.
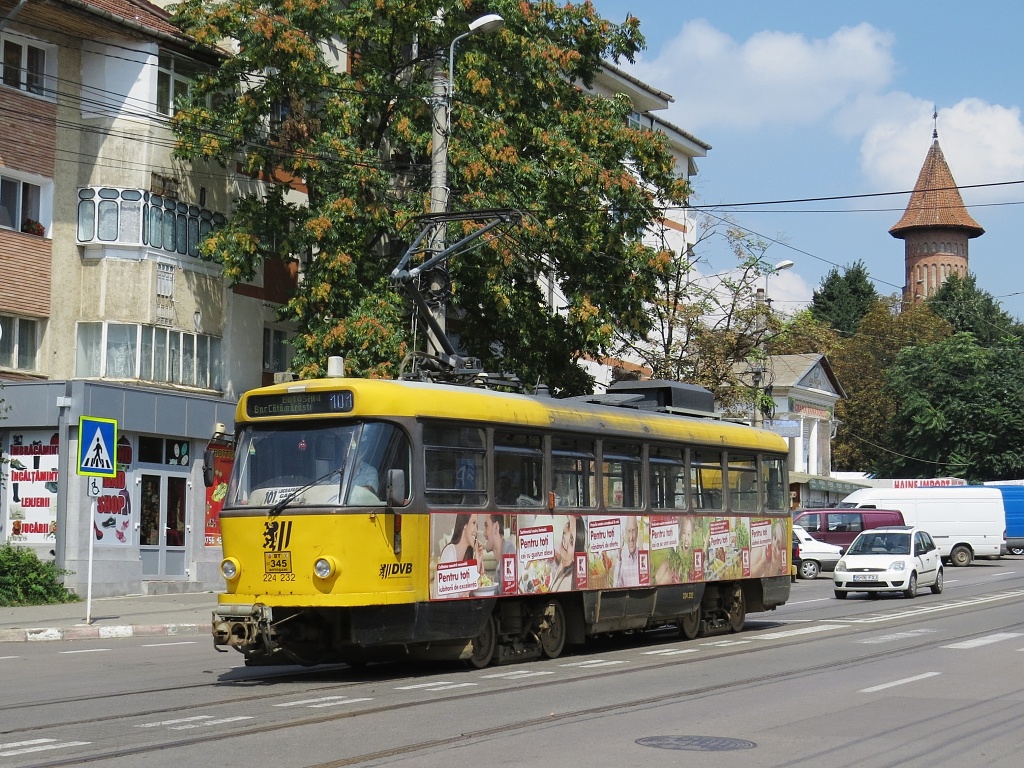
<point>28,65</point>
<point>19,343</point>
<point>138,217</point>
<point>148,353</point>
<point>173,81</point>
<point>20,205</point>
<point>277,351</point>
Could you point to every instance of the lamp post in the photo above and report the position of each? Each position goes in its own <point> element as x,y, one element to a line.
<point>444,89</point>
<point>761,300</point>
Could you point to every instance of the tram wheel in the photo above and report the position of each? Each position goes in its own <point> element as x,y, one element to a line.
<point>737,610</point>
<point>552,636</point>
<point>689,627</point>
<point>484,645</point>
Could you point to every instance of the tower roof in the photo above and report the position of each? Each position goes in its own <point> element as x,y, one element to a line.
<point>935,201</point>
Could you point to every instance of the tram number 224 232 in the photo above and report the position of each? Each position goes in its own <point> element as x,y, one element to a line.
<point>277,566</point>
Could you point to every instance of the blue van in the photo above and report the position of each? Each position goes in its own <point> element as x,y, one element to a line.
<point>1013,503</point>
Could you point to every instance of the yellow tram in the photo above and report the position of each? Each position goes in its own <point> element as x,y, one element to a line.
<point>367,519</point>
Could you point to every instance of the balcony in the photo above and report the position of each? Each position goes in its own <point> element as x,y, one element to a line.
<point>136,218</point>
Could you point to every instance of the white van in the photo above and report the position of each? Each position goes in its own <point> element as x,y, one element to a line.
<point>965,521</point>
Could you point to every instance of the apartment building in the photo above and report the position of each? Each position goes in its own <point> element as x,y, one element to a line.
<point>107,309</point>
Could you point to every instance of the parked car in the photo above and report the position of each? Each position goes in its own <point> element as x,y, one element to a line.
<point>841,526</point>
<point>815,556</point>
<point>895,558</point>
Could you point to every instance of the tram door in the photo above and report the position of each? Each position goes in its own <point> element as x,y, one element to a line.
<point>162,525</point>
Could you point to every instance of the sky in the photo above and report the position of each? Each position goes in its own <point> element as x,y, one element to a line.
<point>820,98</point>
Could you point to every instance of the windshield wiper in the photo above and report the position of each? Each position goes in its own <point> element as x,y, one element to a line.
<point>280,506</point>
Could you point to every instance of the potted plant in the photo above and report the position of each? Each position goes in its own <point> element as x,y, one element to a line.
<point>33,227</point>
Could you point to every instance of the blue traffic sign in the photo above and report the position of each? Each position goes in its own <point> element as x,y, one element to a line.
<point>97,446</point>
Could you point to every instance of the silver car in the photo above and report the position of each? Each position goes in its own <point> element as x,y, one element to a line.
<point>898,558</point>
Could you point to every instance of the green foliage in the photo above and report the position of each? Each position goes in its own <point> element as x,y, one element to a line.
<point>967,308</point>
<point>27,580</point>
<point>960,411</point>
<point>842,300</point>
<point>802,334</point>
<point>523,135</point>
<point>861,364</point>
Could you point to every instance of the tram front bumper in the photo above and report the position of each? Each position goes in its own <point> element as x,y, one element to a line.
<point>242,627</point>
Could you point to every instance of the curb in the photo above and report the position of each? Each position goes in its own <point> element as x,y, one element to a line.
<point>42,634</point>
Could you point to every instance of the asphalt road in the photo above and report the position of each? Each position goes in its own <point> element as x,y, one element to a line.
<point>934,681</point>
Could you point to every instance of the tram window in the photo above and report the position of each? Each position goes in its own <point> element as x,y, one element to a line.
<point>455,463</point>
<point>518,469</point>
<point>668,477</point>
<point>771,476</point>
<point>706,479</point>
<point>572,472</point>
<point>621,476</point>
<point>742,478</point>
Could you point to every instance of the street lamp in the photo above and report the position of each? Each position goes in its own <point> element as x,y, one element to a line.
<point>444,88</point>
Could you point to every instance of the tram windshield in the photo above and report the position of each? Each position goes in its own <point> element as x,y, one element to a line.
<point>312,464</point>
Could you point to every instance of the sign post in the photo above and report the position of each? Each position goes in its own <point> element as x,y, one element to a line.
<point>97,443</point>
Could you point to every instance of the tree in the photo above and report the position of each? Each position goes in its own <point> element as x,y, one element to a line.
<point>842,300</point>
<point>704,330</point>
<point>804,333</point>
<point>525,134</point>
<point>960,411</point>
<point>967,308</point>
<point>861,364</point>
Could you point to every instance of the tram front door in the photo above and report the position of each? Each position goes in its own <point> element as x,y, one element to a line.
<point>162,525</point>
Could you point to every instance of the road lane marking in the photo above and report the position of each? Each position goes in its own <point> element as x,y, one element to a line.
<point>894,683</point>
<point>14,748</point>
<point>211,722</point>
<point>88,650</point>
<point>518,673</point>
<point>987,640</point>
<point>2,658</point>
<point>323,701</point>
<point>669,651</point>
<point>896,636</point>
<point>173,722</point>
<point>163,645</point>
<point>931,608</point>
<point>422,685</point>
<point>592,663</point>
<point>800,631</point>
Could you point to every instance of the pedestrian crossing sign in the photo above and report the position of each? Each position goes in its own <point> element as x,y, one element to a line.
<point>97,442</point>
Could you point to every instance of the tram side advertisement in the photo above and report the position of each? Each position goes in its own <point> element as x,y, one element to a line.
<point>482,555</point>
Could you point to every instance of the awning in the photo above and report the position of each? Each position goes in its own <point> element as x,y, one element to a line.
<point>824,483</point>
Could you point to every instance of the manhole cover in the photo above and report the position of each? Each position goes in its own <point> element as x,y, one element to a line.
<point>695,743</point>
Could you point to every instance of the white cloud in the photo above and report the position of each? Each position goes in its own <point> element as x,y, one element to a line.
<point>982,143</point>
<point>772,77</point>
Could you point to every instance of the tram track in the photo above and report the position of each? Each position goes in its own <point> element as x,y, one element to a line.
<point>869,656</point>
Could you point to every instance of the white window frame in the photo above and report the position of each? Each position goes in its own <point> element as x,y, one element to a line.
<point>45,85</point>
<point>173,349</point>
<point>178,75</point>
<point>9,176</point>
<point>277,350</point>
<point>12,338</point>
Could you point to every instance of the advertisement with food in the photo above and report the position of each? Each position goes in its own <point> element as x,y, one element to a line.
<point>769,547</point>
<point>723,559</point>
<point>30,487</point>
<point>112,525</point>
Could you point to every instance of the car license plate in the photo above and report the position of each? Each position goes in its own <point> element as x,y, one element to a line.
<point>864,577</point>
<point>277,562</point>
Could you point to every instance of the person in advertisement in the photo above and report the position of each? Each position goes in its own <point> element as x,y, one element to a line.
<point>496,543</point>
<point>573,540</point>
<point>628,573</point>
<point>456,572</point>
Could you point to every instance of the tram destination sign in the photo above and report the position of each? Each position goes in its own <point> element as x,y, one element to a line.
<point>298,404</point>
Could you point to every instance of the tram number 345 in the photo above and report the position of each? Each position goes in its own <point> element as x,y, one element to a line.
<point>277,562</point>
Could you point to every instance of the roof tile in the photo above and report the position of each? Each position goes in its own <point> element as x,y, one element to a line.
<point>936,201</point>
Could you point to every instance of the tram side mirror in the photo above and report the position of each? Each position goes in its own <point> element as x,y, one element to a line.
<point>395,487</point>
<point>208,467</point>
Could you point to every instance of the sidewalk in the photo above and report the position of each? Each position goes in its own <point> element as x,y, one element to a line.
<point>112,617</point>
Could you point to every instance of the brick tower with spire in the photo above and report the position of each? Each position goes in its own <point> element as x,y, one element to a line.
<point>935,228</point>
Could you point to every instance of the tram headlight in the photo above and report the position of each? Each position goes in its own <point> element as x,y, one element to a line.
<point>230,568</point>
<point>325,567</point>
